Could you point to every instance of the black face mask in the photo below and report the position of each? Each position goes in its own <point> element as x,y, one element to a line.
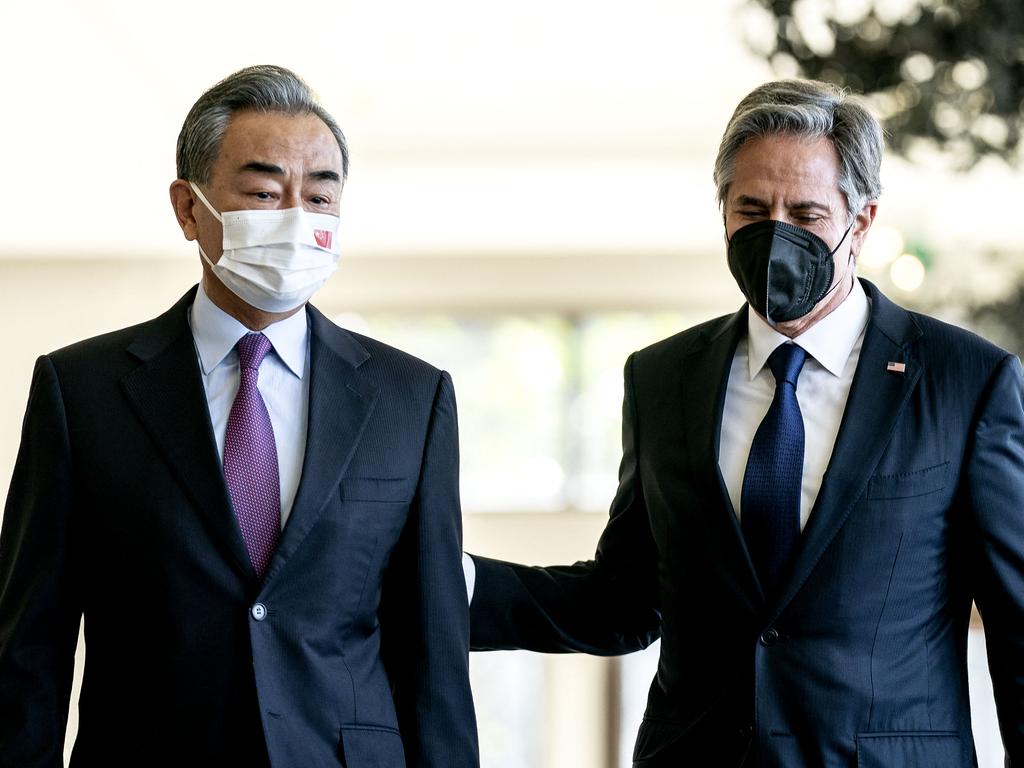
<point>783,270</point>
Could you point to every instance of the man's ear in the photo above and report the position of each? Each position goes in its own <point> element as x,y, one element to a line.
<point>183,202</point>
<point>861,225</point>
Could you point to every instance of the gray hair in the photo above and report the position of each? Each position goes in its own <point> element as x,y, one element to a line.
<point>814,109</point>
<point>262,88</point>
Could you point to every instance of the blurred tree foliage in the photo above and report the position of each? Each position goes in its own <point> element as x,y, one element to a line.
<point>949,73</point>
<point>946,72</point>
<point>1002,321</point>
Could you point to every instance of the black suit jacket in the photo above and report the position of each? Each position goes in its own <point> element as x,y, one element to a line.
<point>118,510</point>
<point>859,658</point>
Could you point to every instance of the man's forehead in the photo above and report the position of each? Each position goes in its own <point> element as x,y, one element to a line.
<point>802,169</point>
<point>267,142</point>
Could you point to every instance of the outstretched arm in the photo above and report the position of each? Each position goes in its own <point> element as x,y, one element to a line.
<point>605,606</point>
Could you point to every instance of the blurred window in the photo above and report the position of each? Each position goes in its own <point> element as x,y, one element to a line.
<point>539,398</point>
<point>508,693</point>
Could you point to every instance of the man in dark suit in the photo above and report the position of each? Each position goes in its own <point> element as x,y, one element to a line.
<point>256,511</point>
<point>812,491</point>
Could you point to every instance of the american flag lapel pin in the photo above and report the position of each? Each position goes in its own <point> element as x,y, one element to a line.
<point>896,367</point>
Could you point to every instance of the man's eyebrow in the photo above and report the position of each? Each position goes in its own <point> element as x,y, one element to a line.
<point>751,201</point>
<point>804,205</point>
<point>258,167</point>
<point>325,175</point>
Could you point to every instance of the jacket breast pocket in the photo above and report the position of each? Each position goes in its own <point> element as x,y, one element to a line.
<point>935,749</point>
<point>908,485</point>
<point>394,490</point>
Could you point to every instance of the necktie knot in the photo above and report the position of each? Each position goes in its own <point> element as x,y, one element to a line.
<point>786,362</point>
<point>252,348</point>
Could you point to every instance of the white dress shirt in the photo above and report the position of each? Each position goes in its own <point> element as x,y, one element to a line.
<point>283,383</point>
<point>833,349</point>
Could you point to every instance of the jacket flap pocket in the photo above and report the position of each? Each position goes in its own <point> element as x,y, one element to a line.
<point>906,485</point>
<point>654,737</point>
<point>393,489</point>
<point>371,747</point>
<point>936,749</point>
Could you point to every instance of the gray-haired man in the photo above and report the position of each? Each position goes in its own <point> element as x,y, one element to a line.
<point>812,491</point>
<point>256,511</point>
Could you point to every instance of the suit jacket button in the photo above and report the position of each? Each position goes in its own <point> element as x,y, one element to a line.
<point>259,611</point>
<point>746,731</point>
<point>770,636</point>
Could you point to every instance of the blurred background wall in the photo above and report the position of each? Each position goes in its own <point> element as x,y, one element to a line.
<point>530,200</point>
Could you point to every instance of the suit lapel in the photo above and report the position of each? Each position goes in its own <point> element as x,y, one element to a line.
<point>877,398</point>
<point>166,392</point>
<point>710,361</point>
<point>341,401</point>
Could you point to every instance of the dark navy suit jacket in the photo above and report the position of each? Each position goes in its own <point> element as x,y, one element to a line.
<point>118,510</point>
<point>859,659</point>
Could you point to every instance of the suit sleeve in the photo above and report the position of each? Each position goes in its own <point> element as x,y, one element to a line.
<point>425,612</point>
<point>605,606</point>
<point>39,607</point>
<point>996,495</point>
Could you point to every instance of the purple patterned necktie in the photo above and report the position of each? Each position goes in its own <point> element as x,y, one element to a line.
<point>250,458</point>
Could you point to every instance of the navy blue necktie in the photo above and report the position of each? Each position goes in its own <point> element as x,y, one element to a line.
<point>770,504</point>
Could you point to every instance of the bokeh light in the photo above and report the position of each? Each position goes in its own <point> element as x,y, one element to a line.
<point>907,273</point>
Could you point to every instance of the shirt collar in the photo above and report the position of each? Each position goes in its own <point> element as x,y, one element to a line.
<point>829,341</point>
<point>216,333</point>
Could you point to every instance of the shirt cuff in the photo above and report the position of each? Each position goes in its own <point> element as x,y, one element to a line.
<point>469,571</point>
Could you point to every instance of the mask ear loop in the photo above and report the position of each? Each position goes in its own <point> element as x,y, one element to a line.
<point>211,209</point>
<point>832,253</point>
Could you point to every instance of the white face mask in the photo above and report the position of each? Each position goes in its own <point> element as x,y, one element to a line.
<point>275,260</point>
